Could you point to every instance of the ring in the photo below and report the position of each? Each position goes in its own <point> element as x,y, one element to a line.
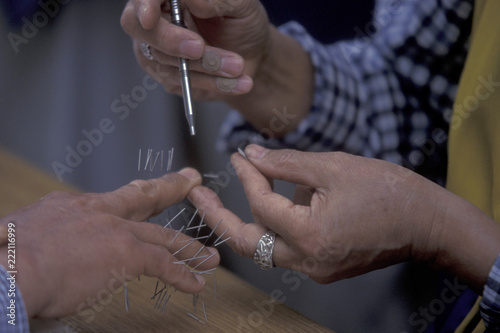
<point>263,255</point>
<point>146,50</point>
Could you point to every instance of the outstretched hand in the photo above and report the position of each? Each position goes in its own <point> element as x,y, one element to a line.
<point>351,215</point>
<point>70,246</point>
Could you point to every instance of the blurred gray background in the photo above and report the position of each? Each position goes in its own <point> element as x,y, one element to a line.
<point>77,69</point>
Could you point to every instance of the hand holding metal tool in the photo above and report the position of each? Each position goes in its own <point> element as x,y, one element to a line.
<point>176,14</point>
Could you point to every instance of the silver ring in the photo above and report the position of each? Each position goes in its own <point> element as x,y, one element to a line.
<point>263,255</point>
<point>146,50</point>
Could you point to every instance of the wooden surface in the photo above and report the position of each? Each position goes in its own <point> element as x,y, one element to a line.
<point>231,304</point>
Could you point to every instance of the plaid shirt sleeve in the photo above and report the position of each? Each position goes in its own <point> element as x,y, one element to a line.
<point>386,94</point>
<point>490,303</point>
<point>13,318</point>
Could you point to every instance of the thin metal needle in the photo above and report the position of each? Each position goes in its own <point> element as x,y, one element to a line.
<point>139,163</point>
<point>175,6</point>
<point>222,235</point>
<point>213,230</point>
<point>192,218</point>
<point>177,234</point>
<point>215,287</point>
<point>196,318</point>
<point>209,271</point>
<point>222,241</point>
<point>179,250</point>
<point>204,311</point>
<point>213,254</point>
<point>127,303</point>
<point>179,213</point>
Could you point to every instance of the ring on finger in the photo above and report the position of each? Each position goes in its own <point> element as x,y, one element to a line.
<point>263,255</point>
<point>146,50</point>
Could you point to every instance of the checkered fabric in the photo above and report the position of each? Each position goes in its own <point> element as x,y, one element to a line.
<point>490,304</point>
<point>386,94</point>
<point>13,318</point>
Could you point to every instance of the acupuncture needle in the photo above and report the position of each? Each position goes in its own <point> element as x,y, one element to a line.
<point>177,19</point>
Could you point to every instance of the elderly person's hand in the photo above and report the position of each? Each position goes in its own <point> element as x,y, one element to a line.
<point>351,215</point>
<point>225,39</point>
<point>70,246</point>
<point>235,56</point>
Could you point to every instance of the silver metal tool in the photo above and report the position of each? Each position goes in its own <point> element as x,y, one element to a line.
<point>176,14</point>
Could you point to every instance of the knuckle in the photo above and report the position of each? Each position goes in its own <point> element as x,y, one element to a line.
<point>127,240</point>
<point>286,159</point>
<point>143,187</point>
<point>90,201</point>
<point>83,202</point>
<point>339,161</point>
<point>57,195</point>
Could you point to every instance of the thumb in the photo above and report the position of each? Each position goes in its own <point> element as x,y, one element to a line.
<point>290,165</point>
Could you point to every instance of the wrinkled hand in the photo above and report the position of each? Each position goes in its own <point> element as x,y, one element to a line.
<point>349,215</point>
<point>70,246</point>
<point>226,41</point>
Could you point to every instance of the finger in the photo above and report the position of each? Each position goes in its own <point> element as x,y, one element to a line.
<point>142,199</point>
<point>215,62</point>
<point>148,12</point>
<point>309,169</point>
<point>159,263</point>
<point>274,210</point>
<point>164,36</point>
<point>183,247</point>
<point>241,237</point>
<point>207,86</point>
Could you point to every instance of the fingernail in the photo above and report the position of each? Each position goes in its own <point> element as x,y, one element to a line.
<point>232,66</point>
<point>241,85</point>
<point>189,173</point>
<point>245,84</point>
<point>192,48</point>
<point>200,279</point>
<point>255,152</point>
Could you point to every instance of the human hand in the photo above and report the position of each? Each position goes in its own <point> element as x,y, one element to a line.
<point>226,41</point>
<point>70,246</point>
<point>351,215</point>
<point>344,219</point>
